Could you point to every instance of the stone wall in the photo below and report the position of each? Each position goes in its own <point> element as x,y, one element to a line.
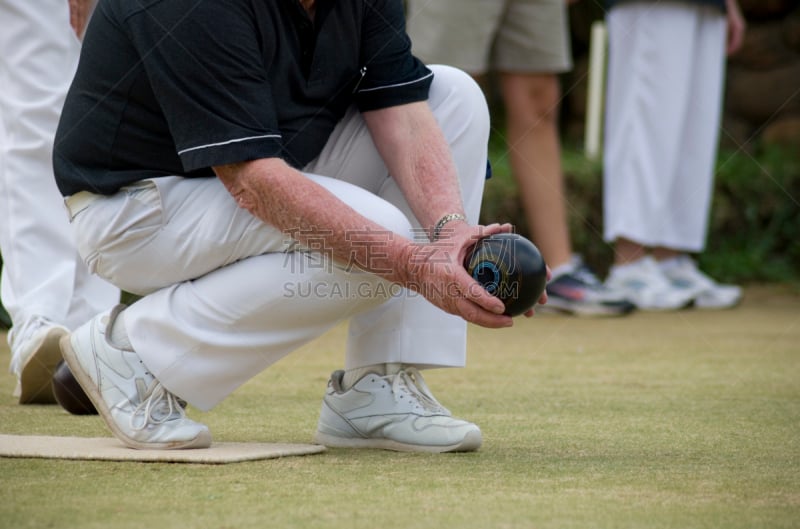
<point>762,97</point>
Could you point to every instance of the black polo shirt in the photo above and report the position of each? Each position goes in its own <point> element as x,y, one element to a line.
<point>174,87</point>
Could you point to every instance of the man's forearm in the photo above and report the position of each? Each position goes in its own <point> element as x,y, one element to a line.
<point>283,197</point>
<point>418,158</point>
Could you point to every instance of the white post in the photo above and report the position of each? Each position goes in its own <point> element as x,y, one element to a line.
<point>594,95</point>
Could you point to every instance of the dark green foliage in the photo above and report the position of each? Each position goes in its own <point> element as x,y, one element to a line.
<point>755,222</point>
<point>5,319</point>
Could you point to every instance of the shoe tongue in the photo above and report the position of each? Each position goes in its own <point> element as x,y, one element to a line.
<point>674,263</point>
<point>420,392</point>
<point>392,368</point>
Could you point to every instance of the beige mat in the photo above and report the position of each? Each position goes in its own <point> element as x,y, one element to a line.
<point>110,449</point>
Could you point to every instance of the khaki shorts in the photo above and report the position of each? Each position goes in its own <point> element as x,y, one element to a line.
<point>530,36</point>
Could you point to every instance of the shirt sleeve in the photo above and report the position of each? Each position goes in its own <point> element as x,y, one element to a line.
<point>206,72</point>
<point>391,75</point>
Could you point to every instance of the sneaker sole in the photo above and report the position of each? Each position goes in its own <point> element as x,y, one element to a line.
<point>471,442</point>
<point>36,377</point>
<point>716,306</point>
<point>716,303</point>
<point>666,308</point>
<point>92,391</point>
<point>556,307</point>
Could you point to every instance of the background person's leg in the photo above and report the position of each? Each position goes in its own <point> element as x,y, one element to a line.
<point>45,285</point>
<point>535,153</point>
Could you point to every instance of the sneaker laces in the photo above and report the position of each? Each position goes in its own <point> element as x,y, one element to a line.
<point>158,407</point>
<point>410,380</point>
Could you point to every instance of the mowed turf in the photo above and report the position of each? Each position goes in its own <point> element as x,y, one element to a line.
<point>680,420</point>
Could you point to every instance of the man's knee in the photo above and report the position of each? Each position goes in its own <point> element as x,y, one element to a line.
<point>458,101</point>
<point>394,220</point>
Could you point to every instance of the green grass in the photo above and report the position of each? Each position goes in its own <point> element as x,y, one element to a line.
<point>682,420</point>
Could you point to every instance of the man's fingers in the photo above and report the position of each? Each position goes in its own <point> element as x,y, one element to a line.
<point>476,314</point>
<point>494,229</point>
<point>477,294</point>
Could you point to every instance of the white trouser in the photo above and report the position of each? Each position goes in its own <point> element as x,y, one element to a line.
<point>224,299</point>
<point>665,73</point>
<point>42,273</point>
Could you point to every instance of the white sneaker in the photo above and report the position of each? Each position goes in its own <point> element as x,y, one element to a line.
<point>645,285</point>
<point>133,403</point>
<point>393,412</point>
<point>682,271</point>
<point>35,356</point>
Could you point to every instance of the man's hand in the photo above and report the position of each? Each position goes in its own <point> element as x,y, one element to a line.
<point>436,271</point>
